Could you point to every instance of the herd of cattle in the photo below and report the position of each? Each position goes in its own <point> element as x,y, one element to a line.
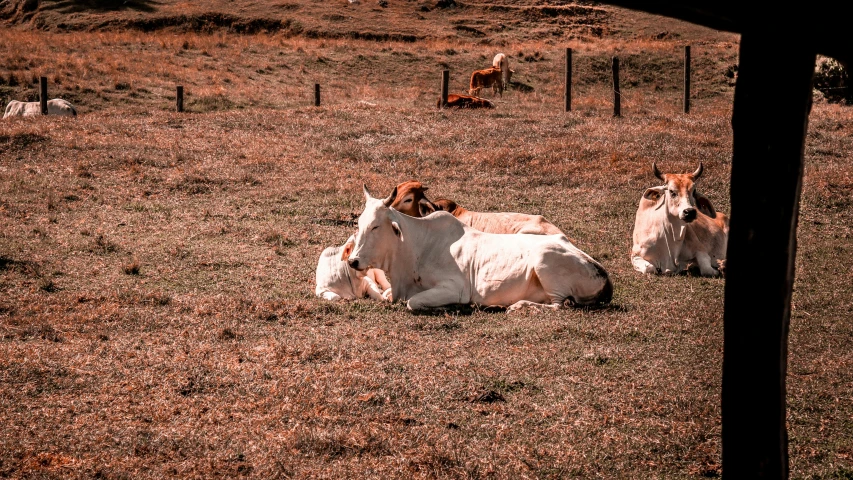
<point>497,76</point>
<point>437,253</point>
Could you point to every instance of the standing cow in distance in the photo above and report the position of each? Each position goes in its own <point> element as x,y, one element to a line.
<point>676,225</point>
<point>500,61</point>
<point>489,77</point>
<point>55,106</point>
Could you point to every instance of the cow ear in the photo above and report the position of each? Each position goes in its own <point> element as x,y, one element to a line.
<point>347,250</point>
<point>425,207</point>
<point>704,204</point>
<point>396,229</point>
<point>367,195</point>
<point>653,193</point>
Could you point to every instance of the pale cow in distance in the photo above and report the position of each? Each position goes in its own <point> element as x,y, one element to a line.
<point>437,261</point>
<point>489,77</point>
<point>337,281</point>
<point>676,225</point>
<point>465,101</point>
<point>55,106</point>
<point>500,61</point>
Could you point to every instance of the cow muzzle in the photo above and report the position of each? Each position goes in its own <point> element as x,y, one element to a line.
<point>688,214</point>
<point>356,264</point>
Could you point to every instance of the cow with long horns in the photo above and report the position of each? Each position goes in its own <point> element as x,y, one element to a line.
<point>676,225</point>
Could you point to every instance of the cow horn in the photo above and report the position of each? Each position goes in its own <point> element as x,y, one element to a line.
<point>698,172</point>
<point>657,172</point>
<point>367,194</point>
<point>388,201</point>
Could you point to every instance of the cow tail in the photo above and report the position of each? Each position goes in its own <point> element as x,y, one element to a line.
<point>73,111</point>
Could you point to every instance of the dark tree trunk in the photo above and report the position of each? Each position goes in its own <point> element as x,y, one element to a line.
<point>770,118</point>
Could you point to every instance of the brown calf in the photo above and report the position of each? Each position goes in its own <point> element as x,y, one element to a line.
<point>490,77</point>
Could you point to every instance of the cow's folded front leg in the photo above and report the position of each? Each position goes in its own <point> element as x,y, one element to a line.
<point>642,266</point>
<point>705,267</point>
<point>374,291</point>
<point>440,296</point>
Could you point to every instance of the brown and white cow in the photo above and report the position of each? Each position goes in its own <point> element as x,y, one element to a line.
<point>489,77</point>
<point>411,200</point>
<point>676,225</point>
<point>499,222</point>
<point>465,101</point>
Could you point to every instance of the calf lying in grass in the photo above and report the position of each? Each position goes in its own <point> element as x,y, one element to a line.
<point>337,281</point>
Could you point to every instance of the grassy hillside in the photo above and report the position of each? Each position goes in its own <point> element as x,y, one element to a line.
<point>157,314</point>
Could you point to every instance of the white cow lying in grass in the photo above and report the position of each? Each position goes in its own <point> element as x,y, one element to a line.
<point>437,260</point>
<point>55,106</point>
<point>337,281</point>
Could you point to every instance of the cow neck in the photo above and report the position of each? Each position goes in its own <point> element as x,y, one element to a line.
<point>459,211</point>
<point>401,259</point>
<point>673,235</point>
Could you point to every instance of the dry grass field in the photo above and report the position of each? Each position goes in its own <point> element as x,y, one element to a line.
<point>157,309</point>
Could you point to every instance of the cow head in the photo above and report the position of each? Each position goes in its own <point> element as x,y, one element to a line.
<point>377,234</point>
<point>410,199</point>
<point>445,204</point>
<point>679,195</point>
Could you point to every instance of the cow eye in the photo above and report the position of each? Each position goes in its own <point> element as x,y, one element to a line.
<point>375,227</point>
<point>673,193</point>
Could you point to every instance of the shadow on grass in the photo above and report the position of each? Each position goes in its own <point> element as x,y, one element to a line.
<point>75,6</point>
<point>465,310</point>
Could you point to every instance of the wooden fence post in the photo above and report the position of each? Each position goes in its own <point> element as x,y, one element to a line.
<point>687,79</point>
<point>316,94</point>
<point>43,94</point>
<point>617,96</point>
<point>179,98</point>
<point>445,82</point>
<point>568,88</point>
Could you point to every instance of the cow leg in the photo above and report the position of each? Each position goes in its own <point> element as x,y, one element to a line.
<point>440,296</point>
<point>373,290</point>
<point>642,266</point>
<point>705,267</point>
<point>331,296</point>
